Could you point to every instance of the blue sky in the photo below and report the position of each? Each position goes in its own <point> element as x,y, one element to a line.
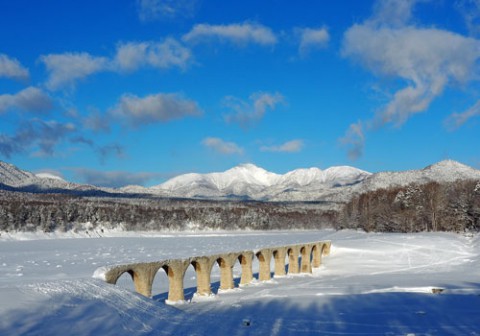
<point>137,91</point>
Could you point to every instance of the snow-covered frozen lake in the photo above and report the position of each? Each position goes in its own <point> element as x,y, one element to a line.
<point>371,284</point>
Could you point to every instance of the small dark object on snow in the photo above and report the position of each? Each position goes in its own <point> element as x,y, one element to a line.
<point>246,322</point>
<point>437,290</point>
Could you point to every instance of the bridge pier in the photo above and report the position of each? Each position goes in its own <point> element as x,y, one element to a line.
<point>317,255</point>
<point>293,253</point>
<point>326,248</point>
<point>245,260</point>
<point>203,269</point>
<point>226,263</point>
<point>264,256</point>
<point>279,255</point>
<point>306,265</point>
<point>176,271</point>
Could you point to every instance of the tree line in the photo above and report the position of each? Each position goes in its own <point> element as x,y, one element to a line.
<point>51,212</point>
<point>427,207</point>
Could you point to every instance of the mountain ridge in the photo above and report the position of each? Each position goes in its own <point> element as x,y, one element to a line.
<point>250,182</point>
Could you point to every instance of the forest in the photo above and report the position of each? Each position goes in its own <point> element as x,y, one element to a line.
<point>427,207</point>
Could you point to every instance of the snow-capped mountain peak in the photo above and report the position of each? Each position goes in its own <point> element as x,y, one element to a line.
<point>258,183</point>
<point>248,181</point>
<point>11,175</point>
<point>448,166</point>
<point>244,173</point>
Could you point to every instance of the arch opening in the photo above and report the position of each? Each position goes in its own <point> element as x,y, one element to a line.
<point>190,281</point>
<point>160,285</point>
<point>126,280</point>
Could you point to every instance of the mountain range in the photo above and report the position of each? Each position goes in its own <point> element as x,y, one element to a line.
<point>249,182</point>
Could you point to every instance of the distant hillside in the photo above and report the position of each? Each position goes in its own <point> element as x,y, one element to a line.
<point>335,185</point>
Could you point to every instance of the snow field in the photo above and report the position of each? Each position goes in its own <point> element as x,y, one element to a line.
<point>371,284</point>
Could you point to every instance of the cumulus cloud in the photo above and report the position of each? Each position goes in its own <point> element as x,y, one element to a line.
<point>456,120</point>
<point>222,147</point>
<point>394,13</point>
<point>113,179</point>
<point>426,59</point>
<point>247,114</point>
<point>162,55</point>
<point>66,69</point>
<point>312,38</point>
<point>160,107</point>
<point>11,68</point>
<point>149,10</point>
<point>288,147</point>
<point>237,33</point>
<point>41,135</point>
<point>30,99</point>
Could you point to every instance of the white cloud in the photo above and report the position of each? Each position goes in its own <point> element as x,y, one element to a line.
<point>11,68</point>
<point>65,69</point>
<point>161,107</point>
<point>456,120</point>
<point>247,114</point>
<point>426,59</point>
<point>394,13</point>
<point>311,38</point>
<point>30,99</point>
<point>288,147</point>
<point>222,147</point>
<point>131,56</point>
<point>149,10</point>
<point>169,53</point>
<point>237,33</point>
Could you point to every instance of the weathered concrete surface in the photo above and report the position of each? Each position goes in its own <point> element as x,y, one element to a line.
<point>305,253</point>
<point>226,263</point>
<point>264,257</point>
<point>317,255</point>
<point>279,254</point>
<point>293,253</point>
<point>203,269</point>
<point>175,270</point>
<point>301,258</point>
<point>246,261</point>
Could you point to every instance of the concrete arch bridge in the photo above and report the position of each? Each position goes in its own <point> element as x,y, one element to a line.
<point>301,259</point>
